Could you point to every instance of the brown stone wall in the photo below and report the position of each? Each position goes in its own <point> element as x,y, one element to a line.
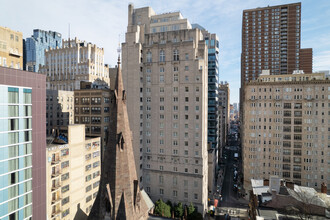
<point>306,60</point>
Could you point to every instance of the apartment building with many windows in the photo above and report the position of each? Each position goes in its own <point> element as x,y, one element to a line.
<point>287,128</point>
<point>224,122</point>
<point>271,39</point>
<point>59,109</point>
<point>73,173</point>
<point>92,108</point>
<point>22,145</point>
<point>76,61</point>
<point>165,76</point>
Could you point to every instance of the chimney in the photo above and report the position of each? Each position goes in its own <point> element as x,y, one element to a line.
<point>266,182</point>
<point>290,185</point>
<point>324,188</point>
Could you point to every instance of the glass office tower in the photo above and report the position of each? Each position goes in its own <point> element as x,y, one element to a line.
<point>15,152</point>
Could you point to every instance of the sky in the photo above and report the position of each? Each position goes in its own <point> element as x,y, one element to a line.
<point>104,23</point>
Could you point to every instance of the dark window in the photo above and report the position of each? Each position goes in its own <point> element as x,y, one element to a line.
<point>12,178</point>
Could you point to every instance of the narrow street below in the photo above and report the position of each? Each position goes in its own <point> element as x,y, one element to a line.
<point>231,203</point>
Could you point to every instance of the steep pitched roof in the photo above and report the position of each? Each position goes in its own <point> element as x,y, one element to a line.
<point>118,168</point>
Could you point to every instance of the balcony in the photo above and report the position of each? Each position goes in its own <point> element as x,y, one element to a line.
<point>56,199</point>
<point>15,53</point>
<point>56,186</point>
<point>56,212</point>
<point>55,160</point>
<point>56,173</point>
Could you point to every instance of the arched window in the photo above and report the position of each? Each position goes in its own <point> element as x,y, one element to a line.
<point>162,56</point>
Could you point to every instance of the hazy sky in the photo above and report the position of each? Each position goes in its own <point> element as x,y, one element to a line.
<point>103,21</point>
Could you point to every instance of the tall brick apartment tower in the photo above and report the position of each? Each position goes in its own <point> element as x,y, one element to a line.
<point>271,41</point>
<point>271,38</point>
<point>119,195</point>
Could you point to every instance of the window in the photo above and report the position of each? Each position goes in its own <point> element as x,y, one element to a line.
<point>65,188</point>
<point>89,198</point>
<point>195,196</point>
<point>65,213</point>
<point>65,200</point>
<point>96,164</point>
<point>176,77</point>
<point>149,57</point>
<point>65,152</point>
<point>161,78</point>
<point>161,179</point>
<point>176,55</point>
<point>12,95</point>
<point>96,100</point>
<point>162,56</point>
<point>27,96</point>
<point>65,177</point>
<point>65,164</point>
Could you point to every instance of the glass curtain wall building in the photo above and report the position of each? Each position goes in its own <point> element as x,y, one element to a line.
<point>15,152</point>
<point>22,145</point>
<point>213,84</point>
<point>36,45</point>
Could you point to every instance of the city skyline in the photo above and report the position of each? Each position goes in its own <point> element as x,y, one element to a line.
<point>102,22</point>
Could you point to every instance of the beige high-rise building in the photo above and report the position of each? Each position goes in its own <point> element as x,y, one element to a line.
<point>76,61</point>
<point>11,48</point>
<point>59,109</point>
<point>73,172</point>
<point>286,128</point>
<point>224,105</point>
<point>165,76</point>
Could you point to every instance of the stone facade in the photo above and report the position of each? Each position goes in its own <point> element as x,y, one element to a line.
<point>224,122</point>
<point>76,61</point>
<point>286,128</point>
<point>11,48</point>
<point>92,108</point>
<point>73,173</point>
<point>165,72</point>
<point>59,109</point>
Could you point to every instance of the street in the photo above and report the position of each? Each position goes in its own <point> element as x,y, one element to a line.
<point>232,202</point>
<point>229,196</point>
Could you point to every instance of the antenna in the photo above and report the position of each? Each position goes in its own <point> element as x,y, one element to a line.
<point>69,36</point>
<point>119,48</point>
